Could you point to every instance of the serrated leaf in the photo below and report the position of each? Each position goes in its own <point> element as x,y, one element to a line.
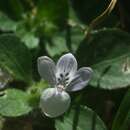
<point>108,53</point>
<point>82,118</point>
<point>14,103</point>
<point>15,58</point>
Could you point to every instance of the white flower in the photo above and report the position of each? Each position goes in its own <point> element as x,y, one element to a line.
<point>63,77</point>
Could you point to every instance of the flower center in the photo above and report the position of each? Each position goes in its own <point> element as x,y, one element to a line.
<point>60,88</point>
<point>63,79</point>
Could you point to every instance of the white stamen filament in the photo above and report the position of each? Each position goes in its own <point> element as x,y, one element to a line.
<point>60,88</point>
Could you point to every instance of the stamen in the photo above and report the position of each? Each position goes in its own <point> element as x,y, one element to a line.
<point>58,79</point>
<point>60,88</point>
<point>67,74</point>
<point>61,75</point>
<point>63,79</point>
<point>66,78</point>
<point>66,82</point>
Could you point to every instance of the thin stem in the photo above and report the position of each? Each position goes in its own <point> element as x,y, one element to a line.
<point>101,17</point>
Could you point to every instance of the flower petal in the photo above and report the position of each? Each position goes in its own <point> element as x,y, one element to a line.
<point>67,65</point>
<point>53,103</point>
<point>81,79</point>
<point>46,69</point>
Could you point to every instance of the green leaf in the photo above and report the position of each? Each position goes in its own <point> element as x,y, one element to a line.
<point>35,92</point>
<point>57,45</point>
<point>53,11</point>
<point>15,58</point>
<point>14,103</point>
<point>61,43</point>
<point>122,118</point>
<point>73,18</point>
<point>7,24</point>
<point>82,118</point>
<point>76,35</point>
<point>107,51</point>
<point>13,8</point>
<point>28,37</point>
<point>30,40</point>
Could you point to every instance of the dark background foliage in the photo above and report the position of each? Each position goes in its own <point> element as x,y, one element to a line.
<point>32,28</point>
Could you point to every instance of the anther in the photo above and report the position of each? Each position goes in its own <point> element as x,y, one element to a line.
<point>61,75</point>
<point>58,79</point>
<point>67,74</point>
<point>66,79</point>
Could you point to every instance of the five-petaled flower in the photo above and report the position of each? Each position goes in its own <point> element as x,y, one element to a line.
<point>63,77</point>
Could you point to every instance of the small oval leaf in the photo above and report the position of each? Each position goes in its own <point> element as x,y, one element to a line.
<point>14,103</point>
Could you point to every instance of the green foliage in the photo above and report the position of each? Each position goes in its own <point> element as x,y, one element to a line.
<point>107,51</point>
<point>13,103</point>
<point>122,119</point>
<point>13,8</point>
<point>56,45</point>
<point>7,24</point>
<point>32,28</point>
<point>52,11</point>
<point>15,58</point>
<point>29,38</point>
<point>80,118</point>
<point>68,40</point>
